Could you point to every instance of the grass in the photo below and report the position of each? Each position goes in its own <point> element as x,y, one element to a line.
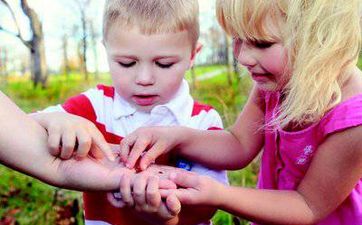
<point>29,201</point>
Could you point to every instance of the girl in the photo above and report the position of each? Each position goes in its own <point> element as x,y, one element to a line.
<point>304,114</point>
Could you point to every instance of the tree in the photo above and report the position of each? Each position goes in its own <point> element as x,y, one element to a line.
<point>65,63</point>
<point>94,35</point>
<point>35,44</point>
<point>82,6</point>
<point>3,62</point>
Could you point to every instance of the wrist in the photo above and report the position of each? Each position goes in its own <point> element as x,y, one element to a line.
<point>183,136</point>
<point>220,195</point>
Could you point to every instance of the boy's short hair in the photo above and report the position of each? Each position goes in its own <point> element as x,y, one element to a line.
<point>153,16</point>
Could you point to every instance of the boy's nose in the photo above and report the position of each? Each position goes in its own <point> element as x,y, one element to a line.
<point>145,77</point>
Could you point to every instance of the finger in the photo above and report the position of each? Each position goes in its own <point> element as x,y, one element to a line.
<point>153,197</point>
<point>166,184</point>
<point>173,204</point>
<point>84,143</point>
<point>152,154</point>
<point>125,146</point>
<point>125,190</point>
<point>185,179</point>
<point>54,144</point>
<point>96,152</point>
<point>68,143</point>
<point>164,213</point>
<point>139,147</point>
<point>100,142</point>
<point>139,190</point>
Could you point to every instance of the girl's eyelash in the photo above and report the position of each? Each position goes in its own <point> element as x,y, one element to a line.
<point>127,65</point>
<point>164,66</point>
<point>262,44</point>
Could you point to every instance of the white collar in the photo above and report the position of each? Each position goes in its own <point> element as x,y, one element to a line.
<point>180,106</point>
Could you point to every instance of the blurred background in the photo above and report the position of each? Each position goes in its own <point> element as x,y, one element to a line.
<point>51,50</point>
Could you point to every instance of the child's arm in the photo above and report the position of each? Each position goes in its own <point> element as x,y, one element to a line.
<point>23,146</point>
<point>236,147</point>
<point>71,135</point>
<point>334,172</point>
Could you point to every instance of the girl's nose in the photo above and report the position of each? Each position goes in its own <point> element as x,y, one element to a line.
<point>145,77</point>
<point>245,55</point>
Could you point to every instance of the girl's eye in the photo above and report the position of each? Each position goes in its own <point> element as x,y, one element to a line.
<point>164,65</point>
<point>127,65</point>
<point>262,44</point>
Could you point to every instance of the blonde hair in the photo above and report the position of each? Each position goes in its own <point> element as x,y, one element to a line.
<point>153,16</point>
<point>323,40</point>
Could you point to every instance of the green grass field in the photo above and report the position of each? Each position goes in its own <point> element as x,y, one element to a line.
<point>28,201</point>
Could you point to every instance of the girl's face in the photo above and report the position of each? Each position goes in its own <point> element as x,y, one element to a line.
<point>265,61</point>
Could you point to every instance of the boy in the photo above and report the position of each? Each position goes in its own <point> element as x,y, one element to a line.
<point>150,45</point>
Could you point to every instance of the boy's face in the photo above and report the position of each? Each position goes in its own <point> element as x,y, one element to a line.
<point>147,70</point>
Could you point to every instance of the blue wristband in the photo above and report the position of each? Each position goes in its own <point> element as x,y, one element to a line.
<point>183,164</point>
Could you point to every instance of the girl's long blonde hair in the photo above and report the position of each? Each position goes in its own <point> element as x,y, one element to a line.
<point>323,40</point>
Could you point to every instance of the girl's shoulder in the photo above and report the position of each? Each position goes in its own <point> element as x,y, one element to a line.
<point>346,114</point>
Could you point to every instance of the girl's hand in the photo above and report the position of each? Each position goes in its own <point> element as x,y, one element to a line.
<point>70,135</point>
<point>146,144</point>
<point>194,189</point>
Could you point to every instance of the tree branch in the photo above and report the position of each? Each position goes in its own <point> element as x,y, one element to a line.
<point>18,35</point>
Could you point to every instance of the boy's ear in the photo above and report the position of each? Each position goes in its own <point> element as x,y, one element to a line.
<point>195,52</point>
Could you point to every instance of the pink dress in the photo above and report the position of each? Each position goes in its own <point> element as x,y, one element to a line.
<point>287,155</point>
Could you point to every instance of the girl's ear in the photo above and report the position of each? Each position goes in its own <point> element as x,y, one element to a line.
<point>195,52</point>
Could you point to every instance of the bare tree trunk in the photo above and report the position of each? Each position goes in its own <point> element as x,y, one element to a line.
<point>94,49</point>
<point>3,63</point>
<point>35,45</point>
<point>227,59</point>
<point>236,69</point>
<point>84,45</point>
<point>66,68</point>
<point>37,49</point>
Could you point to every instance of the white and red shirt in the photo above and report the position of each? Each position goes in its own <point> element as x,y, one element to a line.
<point>116,118</point>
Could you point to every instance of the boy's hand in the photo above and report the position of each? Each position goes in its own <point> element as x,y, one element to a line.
<point>146,144</point>
<point>71,135</point>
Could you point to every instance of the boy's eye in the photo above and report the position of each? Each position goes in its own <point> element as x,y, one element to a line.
<point>164,65</point>
<point>262,44</point>
<point>127,65</point>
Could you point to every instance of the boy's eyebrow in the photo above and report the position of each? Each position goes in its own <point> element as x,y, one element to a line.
<point>167,57</point>
<point>124,56</point>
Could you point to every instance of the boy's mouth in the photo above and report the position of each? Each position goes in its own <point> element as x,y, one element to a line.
<point>144,100</point>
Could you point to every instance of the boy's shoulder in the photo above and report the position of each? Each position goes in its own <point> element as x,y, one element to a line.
<point>107,91</point>
<point>199,107</point>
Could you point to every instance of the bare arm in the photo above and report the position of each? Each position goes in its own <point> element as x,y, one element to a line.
<point>23,146</point>
<point>236,147</point>
<point>334,172</point>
